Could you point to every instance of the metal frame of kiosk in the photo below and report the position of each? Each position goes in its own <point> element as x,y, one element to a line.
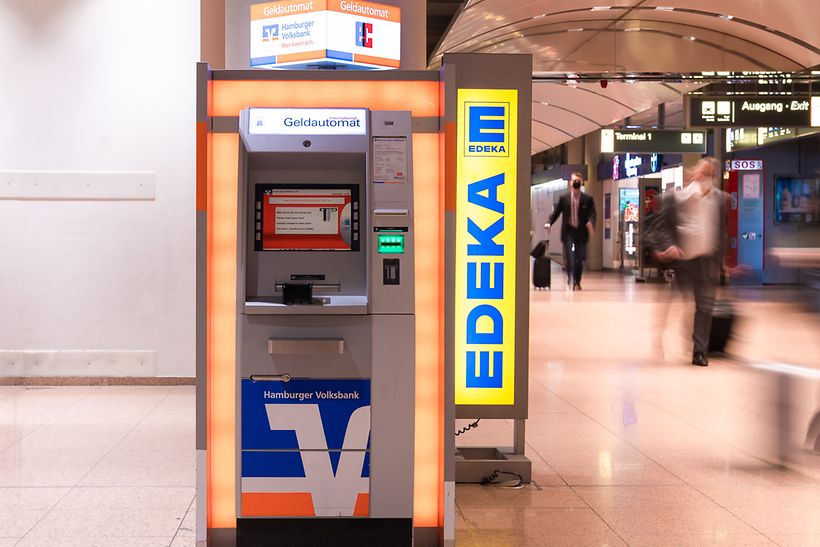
<point>325,327</point>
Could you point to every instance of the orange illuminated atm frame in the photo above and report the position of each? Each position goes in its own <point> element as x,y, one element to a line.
<point>221,95</point>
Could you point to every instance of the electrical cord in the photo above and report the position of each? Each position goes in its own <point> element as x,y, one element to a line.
<point>516,483</point>
<point>468,427</point>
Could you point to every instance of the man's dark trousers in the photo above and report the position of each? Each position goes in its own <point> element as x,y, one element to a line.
<point>699,277</point>
<point>575,252</point>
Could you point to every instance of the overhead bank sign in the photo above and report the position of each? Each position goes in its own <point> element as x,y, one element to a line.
<point>308,33</point>
<point>485,246</point>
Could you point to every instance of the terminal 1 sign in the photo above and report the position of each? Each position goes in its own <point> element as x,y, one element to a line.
<point>653,141</point>
<point>298,34</point>
<point>754,111</point>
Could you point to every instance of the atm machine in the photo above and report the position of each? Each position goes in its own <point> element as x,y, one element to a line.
<point>325,328</point>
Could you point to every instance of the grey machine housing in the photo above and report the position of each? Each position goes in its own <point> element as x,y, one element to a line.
<point>359,328</point>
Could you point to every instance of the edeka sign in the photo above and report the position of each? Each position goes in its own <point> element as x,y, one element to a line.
<point>486,183</point>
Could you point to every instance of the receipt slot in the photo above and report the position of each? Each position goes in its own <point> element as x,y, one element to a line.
<point>325,327</point>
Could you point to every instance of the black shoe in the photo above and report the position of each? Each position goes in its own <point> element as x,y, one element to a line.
<point>699,359</point>
<point>577,287</point>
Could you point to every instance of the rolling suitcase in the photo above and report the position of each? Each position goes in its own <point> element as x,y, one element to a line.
<point>723,318</point>
<point>541,273</point>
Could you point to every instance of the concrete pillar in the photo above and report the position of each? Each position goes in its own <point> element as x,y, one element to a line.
<point>595,188</point>
<point>212,32</point>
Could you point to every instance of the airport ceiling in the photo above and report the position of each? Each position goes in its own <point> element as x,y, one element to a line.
<point>575,43</point>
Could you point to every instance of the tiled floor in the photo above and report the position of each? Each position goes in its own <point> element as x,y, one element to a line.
<point>628,447</point>
<point>632,445</point>
<point>97,466</point>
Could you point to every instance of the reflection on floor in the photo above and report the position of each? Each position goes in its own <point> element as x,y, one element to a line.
<point>628,447</point>
<point>633,445</point>
<point>97,466</point>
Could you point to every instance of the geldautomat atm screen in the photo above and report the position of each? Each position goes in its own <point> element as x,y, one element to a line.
<point>318,217</point>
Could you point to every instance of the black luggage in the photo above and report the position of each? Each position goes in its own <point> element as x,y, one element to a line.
<point>723,318</point>
<point>541,273</point>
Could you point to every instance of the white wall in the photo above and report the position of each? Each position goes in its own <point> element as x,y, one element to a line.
<point>99,85</point>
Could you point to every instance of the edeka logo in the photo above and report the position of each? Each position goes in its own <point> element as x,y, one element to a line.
<point>270,33</point>
<point>363,34</point>
<point>485,247</point>
<point>487,129</point>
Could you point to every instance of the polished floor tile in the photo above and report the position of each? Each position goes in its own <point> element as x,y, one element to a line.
<point>628,446</point>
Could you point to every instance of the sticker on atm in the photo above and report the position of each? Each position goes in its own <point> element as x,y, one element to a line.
<point>305,448</point>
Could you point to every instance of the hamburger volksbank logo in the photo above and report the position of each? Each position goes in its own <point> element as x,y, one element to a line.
<point>487,131</point>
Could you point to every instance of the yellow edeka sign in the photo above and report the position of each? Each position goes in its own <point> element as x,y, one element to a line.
<point>486,183</point>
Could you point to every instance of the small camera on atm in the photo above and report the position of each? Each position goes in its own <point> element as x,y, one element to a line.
<point>306,143</point>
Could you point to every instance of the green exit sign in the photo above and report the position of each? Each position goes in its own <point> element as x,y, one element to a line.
<point>390,244</point>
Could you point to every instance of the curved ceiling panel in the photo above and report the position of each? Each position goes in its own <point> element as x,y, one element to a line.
<point>749,34</point>
<point>566,119</point>
<point>625,36</point>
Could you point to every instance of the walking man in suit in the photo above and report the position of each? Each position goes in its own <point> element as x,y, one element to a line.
<point>577,211</point>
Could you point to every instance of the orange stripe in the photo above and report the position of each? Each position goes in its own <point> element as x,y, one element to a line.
<point>201,166</point>
<point>208,346</point>
<point>222,322</point>
<point>231,96</point>
<point>393,12</point>
<point>258,10</point>
<point>381,61</point>
<point>362,508</point>
<point>277,504</point>
<point>305,56</point>
<point>450,166</point>
<point>228,98</point>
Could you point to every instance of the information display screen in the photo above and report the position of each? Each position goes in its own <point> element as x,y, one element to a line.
<point>323,217</point>
<point>796,199</point>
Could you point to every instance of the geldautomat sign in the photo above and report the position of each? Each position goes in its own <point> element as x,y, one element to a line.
<point>485,246</point>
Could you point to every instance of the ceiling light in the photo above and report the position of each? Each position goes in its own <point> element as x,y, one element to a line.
<point>632,29</point>
<point>664,8</point>
<point>575,30</point>
<point>601,8</point>
<point>540,16</point>
<point>545,103</point>
<point>690,38</point>
<point>727,17</point>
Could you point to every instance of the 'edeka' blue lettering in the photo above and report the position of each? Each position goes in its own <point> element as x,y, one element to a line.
<point>495,336</point>
<point>479,122</point>
<point>486,246</point>
<point>485,290</point>
<point>479,376</point>
<point>489,185</point>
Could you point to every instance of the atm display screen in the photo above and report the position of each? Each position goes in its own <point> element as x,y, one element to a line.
<point>318,217</point>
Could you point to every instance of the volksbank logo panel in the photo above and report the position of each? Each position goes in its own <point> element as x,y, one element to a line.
<point>487,129</point>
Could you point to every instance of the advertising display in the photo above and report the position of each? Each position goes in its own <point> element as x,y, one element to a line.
<point>625,166</point>
<point>796,199</point>
<point>325,33</point>
<point>753,111</point>
<point>486,180</point>
<point>305,448</point>
<point>630,216</point>
<point>319,218</point>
